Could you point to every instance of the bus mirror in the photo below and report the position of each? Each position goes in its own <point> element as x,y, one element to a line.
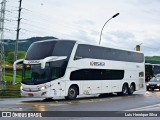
<point>51,59</point>
<point>20,61</point>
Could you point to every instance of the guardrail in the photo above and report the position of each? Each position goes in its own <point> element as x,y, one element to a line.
<point>3,90</point>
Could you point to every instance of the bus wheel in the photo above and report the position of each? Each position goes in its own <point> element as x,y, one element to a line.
<point>72,93</point>
<point>124,89</point>
<point>131,89</point>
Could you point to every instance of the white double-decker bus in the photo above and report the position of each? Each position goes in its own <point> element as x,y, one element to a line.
<point>68,68</point>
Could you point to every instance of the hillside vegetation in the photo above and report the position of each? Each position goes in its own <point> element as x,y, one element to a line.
<point>153,59</point>
<point>24,43</point>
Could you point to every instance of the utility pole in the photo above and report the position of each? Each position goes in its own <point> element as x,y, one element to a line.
<point>17,38</point>
<point>2,52</point>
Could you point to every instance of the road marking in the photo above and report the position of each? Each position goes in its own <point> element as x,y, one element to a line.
<point>10,108</point>
<point>146,108</point>
<point>40,104</point>
<point>56,104</point>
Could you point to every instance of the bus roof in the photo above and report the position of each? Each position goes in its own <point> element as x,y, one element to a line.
<point>79,42</point>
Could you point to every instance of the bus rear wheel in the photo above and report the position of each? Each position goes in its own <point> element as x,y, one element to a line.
<point>72,93</point>
<point>131,89</point>
<point>124,90</point>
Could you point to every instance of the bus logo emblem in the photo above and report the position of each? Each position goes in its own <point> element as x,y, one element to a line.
<point>92,63</point>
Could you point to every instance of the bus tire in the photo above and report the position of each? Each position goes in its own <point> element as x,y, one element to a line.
<point>131,89</point>
<point>124,90</point>
<point>72,93</point>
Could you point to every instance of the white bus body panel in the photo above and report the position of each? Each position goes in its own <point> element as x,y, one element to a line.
<point>60,86</point>
<point>132,71</point>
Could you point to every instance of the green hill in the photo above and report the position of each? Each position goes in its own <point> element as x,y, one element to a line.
<point>153,59</point>
<point>23,46</point>
<point>24,43</point>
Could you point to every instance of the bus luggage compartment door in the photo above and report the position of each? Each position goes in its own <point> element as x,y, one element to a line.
<point>91,87</point>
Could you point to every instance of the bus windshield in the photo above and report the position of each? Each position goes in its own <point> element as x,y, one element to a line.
<point>33,74</point>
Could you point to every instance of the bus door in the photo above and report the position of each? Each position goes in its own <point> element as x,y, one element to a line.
<point>62,87</point>
<point>58,88</point>
<point>57,84</point>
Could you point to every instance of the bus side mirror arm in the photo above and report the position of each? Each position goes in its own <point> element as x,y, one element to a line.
<point>14,70</point>
<point>16,62</point>
<point>51,59</point>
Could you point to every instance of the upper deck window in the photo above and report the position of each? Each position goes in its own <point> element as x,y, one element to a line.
<point>41,50</point>
<point>96,52</point>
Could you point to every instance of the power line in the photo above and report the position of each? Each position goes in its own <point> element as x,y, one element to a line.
<point>47,20</point>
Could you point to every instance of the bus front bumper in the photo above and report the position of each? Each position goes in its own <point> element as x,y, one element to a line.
<point>43,94</point>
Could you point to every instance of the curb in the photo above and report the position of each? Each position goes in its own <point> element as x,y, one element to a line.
<point>10,96</point>
<point>1,90</point>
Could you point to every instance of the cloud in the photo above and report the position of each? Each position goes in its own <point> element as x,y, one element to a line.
<point>128,40</point>
<point>124,35</point>
<point>85,37</point>
<point>85,22</point>
<point>82,20</point>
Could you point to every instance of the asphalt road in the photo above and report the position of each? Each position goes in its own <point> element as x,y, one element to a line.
<point>139,101</point>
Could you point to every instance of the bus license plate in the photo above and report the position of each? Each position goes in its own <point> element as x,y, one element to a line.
<point>30,94</point>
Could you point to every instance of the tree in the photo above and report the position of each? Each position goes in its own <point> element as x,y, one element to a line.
<point>10,56</point>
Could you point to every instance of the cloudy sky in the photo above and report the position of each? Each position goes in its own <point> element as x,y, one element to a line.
<point>82,20</point>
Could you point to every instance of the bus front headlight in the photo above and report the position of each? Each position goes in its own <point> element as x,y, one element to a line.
<point>147,84</point>
<point>21,88</point>
<point>42,88</point>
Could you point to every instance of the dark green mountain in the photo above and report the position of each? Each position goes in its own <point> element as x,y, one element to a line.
<point>24,43</point>
<point>153,59</point>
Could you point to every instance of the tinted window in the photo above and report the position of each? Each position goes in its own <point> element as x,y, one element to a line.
<point>41,50</point>
<point>63,48</point>
<point>95,52</point>
<point>97,74</point>
<point>141,74</point>
<point>155,80</point>
<point>58,69</point>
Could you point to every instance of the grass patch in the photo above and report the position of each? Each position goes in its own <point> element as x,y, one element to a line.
<point>10,94</point>
<point>10,87</point>
<point>9,76</point>
<point>13,87</point>
<point>15,94</point>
